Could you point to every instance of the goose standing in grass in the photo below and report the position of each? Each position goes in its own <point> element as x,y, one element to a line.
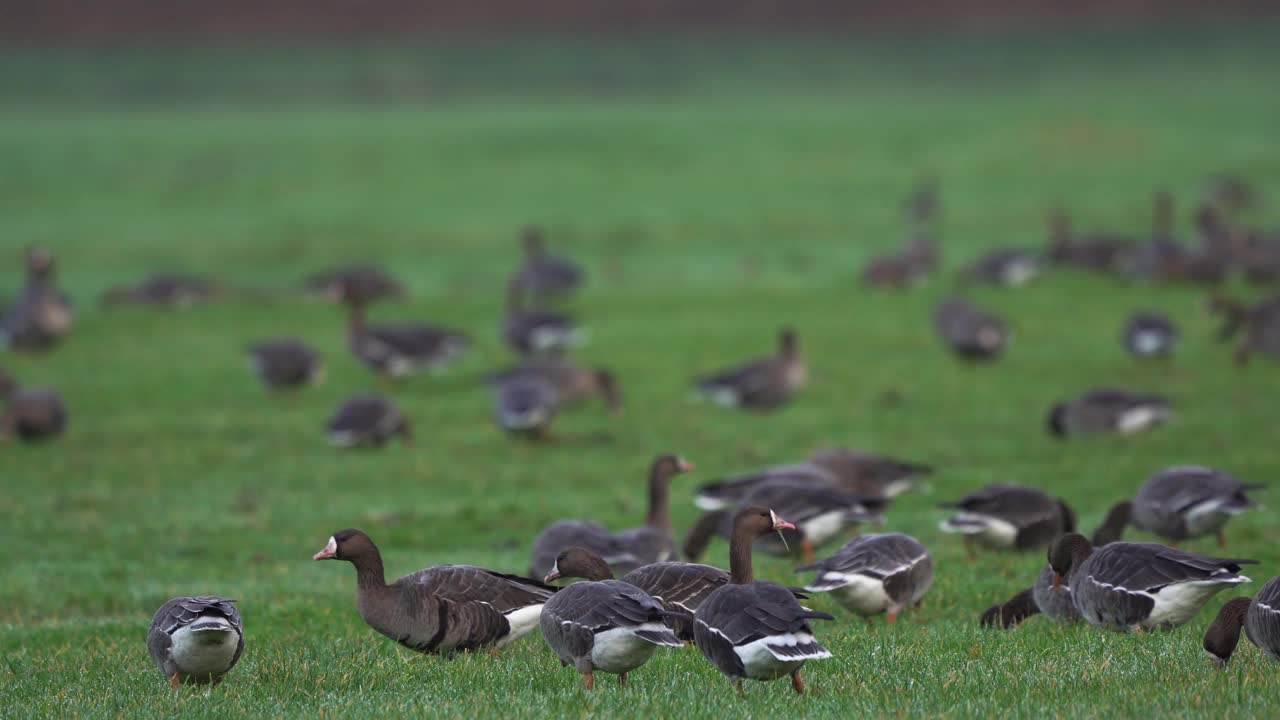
<point>1150,335</point>
<point>398,351</point>
<point>1188,501</point>
<point>527,398</point>
<point>1139,586</point>
<point>571,383</point>
<point>41,315</point>
<point>1259,616</point>
<point>1108,410</point>
<point>970,332</point>
<point>626,550</point>
<point>1260,323</point>
<point>873,574</point>
<point>753,629</point>
<point>763,384</point>
<point>1009,517</point>
<point>285,363</point>
<point>441,609</point>
<point>868,474</point>
<point>531,331</point>
<point>1097,252</point>
<point>367,420</point>
<point>173,291</point>
<point>360,283</point>
<point>730,492</point>
<point>602,624</point>
<point>196,640</point>
<point>544,276</point>
<point>31,413</point>
<point>1005,267</point>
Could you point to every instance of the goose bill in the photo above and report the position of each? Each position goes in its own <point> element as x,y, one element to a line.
<point>329,551</point>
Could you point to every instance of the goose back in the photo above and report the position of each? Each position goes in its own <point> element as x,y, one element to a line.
<point>1183,502</point>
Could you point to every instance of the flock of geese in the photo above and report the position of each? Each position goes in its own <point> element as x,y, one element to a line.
<point>747,629</point>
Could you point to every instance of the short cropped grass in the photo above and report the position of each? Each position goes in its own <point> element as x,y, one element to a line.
<point>709,212</point>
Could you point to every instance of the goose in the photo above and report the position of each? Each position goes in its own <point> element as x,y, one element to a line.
<point>398,351</point>
<point>441,609</point>
<point>41,315</point>
<point>868,474</point>
<point>1260,618</point>
<point>970,332</point>
<point>1041,598</point>
<point>362,283</point>
<point>544,276</point>
<point>1260,323</point>
<point>763,384</point>
<point>1139,586</point>
<point>753,629</point>
<point>1187,501</point>
<point>571,383</point>
<point>1260,259</point>
<point>1162,257</point>
<point>283,363</point>
<point>1230,193</point>
<point>196,640</point>
<point>1108,410</point>
<point>1098,252</point>
<point>1007,267</point>
<point>602,624</point>
<point>531,331</point>
<point>728,493</point>
<point>525,404</point>
<point>174,291</point>
<point>367,420</point>
<point>625,550</point>
<point>32,413</point>
<point>873,574</point>
<point>1150,334</point>
<point>1001,516</point>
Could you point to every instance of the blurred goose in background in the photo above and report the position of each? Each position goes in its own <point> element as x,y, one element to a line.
<point>626,550</point>
<point>1008,517</point>
<point>873,574</point>
<point>602,624</point>
<point>544,276</point>
<point>364,284</point>
<point>763,384</point>
<point>1108,410</point>
<point>572,383</point>
<point>1259,616</point>
<point>441,609</point>
<point>1139,586</point>
<point>173,291</point>
<point>1260,259</point>
<point>196,640</point>
<point>1187,501</point>
<point>1098,253</point>
<point>31,413</point>
<point>527,398</point>
<point>970,332</point>
<point>730,492</point>
<point>1229,193</point>
<point>40,315</point>
<point>530,331</point>
<point>1260,323</point>
<point>1161,257</point>
<point>285,363</point>
<point>1004,267</point>
<point>398,351</point>
<point>1149,335</point>
<point>366,421</point>
<point>861,473</point>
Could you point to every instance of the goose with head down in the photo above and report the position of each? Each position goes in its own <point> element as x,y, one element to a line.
<point>1258,616</point>
<point>527,398</point>
<point>285,363</point>
<point>968,331</point>
<point>1188,501</point>
<point>367,421</point>
<point>761,384</point>
<point>877,573</point>
<point>30,413</point>
<point>534,331</point>
<point>196,640</point>
<point>1108,411</point>
<point>1009,517</point>
<point>398,351</point>
<point>1150,335</point>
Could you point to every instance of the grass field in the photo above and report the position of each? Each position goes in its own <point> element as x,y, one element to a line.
<point>714,191</point>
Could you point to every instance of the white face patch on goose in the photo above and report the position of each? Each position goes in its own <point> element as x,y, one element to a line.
<point>330,550</point>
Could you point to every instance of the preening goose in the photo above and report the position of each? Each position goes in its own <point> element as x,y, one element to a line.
<point>1007,517</point>
<point>1183,502</point>
<point>401,350</point>
<point>878,573</point>
<point>32,413</point>
<point>1124,585</point>
<point>969,332</point>
<point>752,629</point>
<point>367,420</point>
<point>763,384</point>
<point>1108,410</point>
<point>284,363</point>
<point>544,276</point>
<point>623,551</point>
<point>196,640</point>
<point>41,315</point>
<point>602,624</point>
<point>1150,335</point>
<point>441,609</point>
<point>1260,618</point>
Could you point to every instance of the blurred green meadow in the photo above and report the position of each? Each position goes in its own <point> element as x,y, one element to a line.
<point>715,189</point>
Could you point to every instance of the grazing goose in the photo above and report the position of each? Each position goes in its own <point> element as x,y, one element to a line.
<point>196,640</point>
<point>730,492</point>
<point>752,629</point>
<point>284,363</point>
<point>544,276</point>
<point>401,350</point>
<point>41,315</point>
<point>1150,334</point>
<point>1183,502</point>
<point>367,420</point>
<point>31,414</point>
<point>969,332</point>
<point>173,291</point>
<point>1108,410</point>
<point>1007,267</point>
<point>530,331</point>
<point>1125,585</point>
<point>1260,322</point>
<point>763,384</point>
<point>873,574</point>
<point>626,550</point>
<point>441,609</point>
<point>602,624</point>
<point>524,404</point>
<point>1100,253</point>
<point>355,283</point>
<point>1230,193</point>
<point>868,474</point>
<point>1260,618</point>
<point>572,383</point>
<point>1041,597</point>
<point>1162,257</point>
<point>1009,517</point>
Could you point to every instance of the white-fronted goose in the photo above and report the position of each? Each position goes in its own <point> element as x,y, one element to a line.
<point>284,363</point>
<point>572,383</point>
<point>1188,501</point>
<point>532,331</point>
<point>367,420</point>
<point>524,404</point>
<point>1229,193</point>
<point>544,276</point>
<point>730,492</point>
<point>1096,252</point>
<point>174,291</point>
<point>402,350</point>
<point>873,574</point>
<point>1260,618</point>
<point>1006,267</point>
<point>626,550</point>
<point>442,609</point>
<point>753,629</point>
<point>868,474</point>
<point>355,283</point>
<point>196,640</point>
<point>1009,517</point>
<point>1108,410</point>
<point>601,624</point>
<point>763,384</point>
<point>1150,334</point>
<point>41,315</point>
<point>970,332</point>
<point>1260,323</point>
<point>32,413</point>
<point>1127,585</point>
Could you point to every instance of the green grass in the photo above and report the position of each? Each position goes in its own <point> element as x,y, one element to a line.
<point>709,211</point>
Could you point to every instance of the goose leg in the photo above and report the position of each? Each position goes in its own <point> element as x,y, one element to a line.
<point>796,683</point>
<point>738,685</point>
<point>589,680</point>
<point>1222,540</point>
<point>173,682</point>
<point>622,679</point>
<point>918,603</point>
<point>891,617</point>
<point>807,548</point>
